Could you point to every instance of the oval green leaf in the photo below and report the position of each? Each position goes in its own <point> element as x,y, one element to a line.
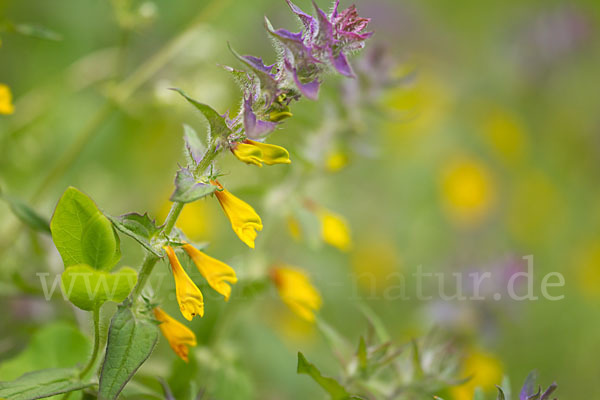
<point>88,288</point>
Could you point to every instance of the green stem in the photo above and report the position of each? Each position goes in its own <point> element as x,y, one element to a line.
<point>96,344</point>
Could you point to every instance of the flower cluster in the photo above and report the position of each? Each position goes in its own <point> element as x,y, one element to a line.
<point>268,90</point>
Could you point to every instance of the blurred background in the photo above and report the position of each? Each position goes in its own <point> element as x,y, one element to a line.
<point>482,147</point>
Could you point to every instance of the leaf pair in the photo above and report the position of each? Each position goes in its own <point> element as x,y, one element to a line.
<point>89,247</point>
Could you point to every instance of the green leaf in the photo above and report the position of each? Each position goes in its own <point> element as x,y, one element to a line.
<point>26,214</point>
<point>189,189</point>
<point>130,343</point>
<point>500,394</point>
<point>82,234</point>
<point>56,345</point>
<point>43,383</point>
<point>194,147</point>
<point>216,122</point>
<point>331,386</point>
<point>506,387</point>
<point>361,354</point>
<point>139,227</point>
<point>88,288</point>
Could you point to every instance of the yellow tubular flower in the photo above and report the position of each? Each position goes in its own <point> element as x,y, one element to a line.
<point>296,291</point>
<point>256,153</point>
<point>335,230</point>
<point>6,106</point>
<point>180,337</point>
<point>244,220</point>
<point>189,297</point>
<point>218,274</point>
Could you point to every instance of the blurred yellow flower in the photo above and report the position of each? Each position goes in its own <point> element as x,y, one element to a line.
<point>189,297</point>
<point>296,291</point>
<point>506,135</point>
<point>486,372</point>
<point>196,220</point>
<point>336,161</point>
<point>244,220</point>
<point>218,274</point>
<point>294,228</point>
<point>256,153</point>
<point>335,231</point>
<point>179,336</point>
<point>587,267</point>
<point>467,191</point>
<point>6,106</point>
<point>374,264</point>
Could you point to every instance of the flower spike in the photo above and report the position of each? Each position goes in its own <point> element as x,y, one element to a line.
<point>189,297</point>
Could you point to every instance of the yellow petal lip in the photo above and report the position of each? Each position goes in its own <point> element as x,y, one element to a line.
<point>296,291</point>
<point>6,106</point>
<point>245,222</point>
<point>189,297</point>
<point>218,274</point>
<point>179,336</point>
<point>257,153</point>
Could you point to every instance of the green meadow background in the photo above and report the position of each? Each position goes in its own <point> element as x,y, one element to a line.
<point>485,149</point>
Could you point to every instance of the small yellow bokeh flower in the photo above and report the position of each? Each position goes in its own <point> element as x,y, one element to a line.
<point>257,153</point>
<point>218,274</point>
<point>244,220</point>
<point>179,336</point>
<point>468,191</point>
<point>375,264</point>
<point>196,220</point>
<point>294,228</point>
<point>335,231</point>
<point>6,106</point>
<point>189,297</point>
<point>336,161</point>
<point>485,371</point>
<point>506,135</point>
<point>587,266</point>
<point>296,291</point>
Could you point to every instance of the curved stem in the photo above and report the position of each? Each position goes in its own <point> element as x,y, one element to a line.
<point>96,349</point>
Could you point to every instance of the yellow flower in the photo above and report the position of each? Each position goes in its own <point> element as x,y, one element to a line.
<point>189,297</point>
<point>485,370</point>
<point>180,337</point>
<point>587,267</point>
<point>335,230</point>
<point>196,220</point>
<point>375,264</point>
<point>296,291</point>
<point>244,220</point>
<point>467,191</point>
<point>294,228</point>
<point>217,273</point>
<point>336,161</point>
<point>6,106</point>
<point>506,134</point>
<point>256,153</point>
